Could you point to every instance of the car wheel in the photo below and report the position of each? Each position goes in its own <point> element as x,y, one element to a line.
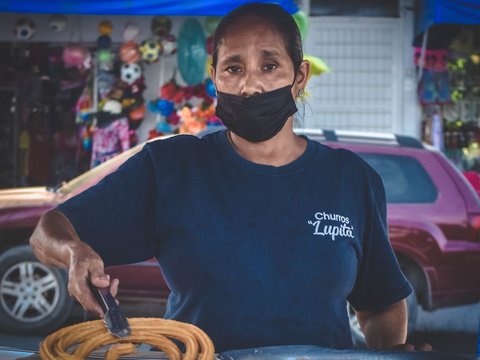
<point>33,297</point>
<point>357,335</point>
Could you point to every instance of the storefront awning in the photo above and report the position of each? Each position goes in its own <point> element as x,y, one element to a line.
<point>431,12</point>
<point>133,7</point>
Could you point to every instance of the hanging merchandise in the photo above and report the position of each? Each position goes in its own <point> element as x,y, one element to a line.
<point>433,59</point>
<point>449,92</point>
<point>105,27</point>
<point>302,22</point>
<point>150,50</point>
<point>130,73</point>
<point>209,45</point>
<point>74,56</point>
<point>104,42</point>
<point>317,65</point>
<point>57,23</point>
<point>169,44</point>
<point>161,26</point>
<point>24,29</point>
<point>191,52</point>
<point>110,137</point>
<point>210,23</point>
<point>131,32</point>
<point>129,52</point>
<point>434,88</point>
<point>210,88</point>
<point>184,109</point>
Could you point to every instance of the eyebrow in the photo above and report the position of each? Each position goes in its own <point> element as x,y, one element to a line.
<point>233,58</point>
<point>264,53</point>
<point>269,53</point>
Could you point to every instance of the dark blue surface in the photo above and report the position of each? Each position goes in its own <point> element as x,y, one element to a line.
<point>129,7</point>
<point>433,12</point>
<point>310,352</point>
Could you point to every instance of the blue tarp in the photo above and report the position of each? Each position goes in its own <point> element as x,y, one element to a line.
<point>132,7</point>
<point>431,12</point>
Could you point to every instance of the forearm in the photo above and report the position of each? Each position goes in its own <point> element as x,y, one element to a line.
<point>53,239</point>
<point>385,328</point>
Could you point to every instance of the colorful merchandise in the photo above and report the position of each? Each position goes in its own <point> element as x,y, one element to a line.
<point>110,138</point>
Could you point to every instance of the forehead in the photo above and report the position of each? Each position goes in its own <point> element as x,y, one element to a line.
<point>251,33</point>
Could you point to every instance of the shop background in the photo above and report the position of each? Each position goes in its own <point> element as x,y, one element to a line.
<point>83,30</point>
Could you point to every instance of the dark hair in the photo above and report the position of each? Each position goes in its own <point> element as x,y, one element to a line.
<point>276,16</point>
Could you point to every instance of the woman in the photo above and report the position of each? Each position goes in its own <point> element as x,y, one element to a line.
<point>262,235</point>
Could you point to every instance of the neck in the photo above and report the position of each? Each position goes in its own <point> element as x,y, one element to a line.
<point>282,149</point>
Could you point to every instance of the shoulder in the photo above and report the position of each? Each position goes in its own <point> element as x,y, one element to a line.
<point>352,163</point>
<point>173,142</point>
<point>177,148</point>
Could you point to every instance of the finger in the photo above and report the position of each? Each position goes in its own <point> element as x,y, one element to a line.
<point>114,287</point>
<point>98,278</point>
<point>424,347</point>
<point>79,289</point>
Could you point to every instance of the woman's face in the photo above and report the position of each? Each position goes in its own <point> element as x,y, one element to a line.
<point>252,59</point>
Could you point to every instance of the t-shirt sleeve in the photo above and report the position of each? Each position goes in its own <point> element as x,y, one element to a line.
<point>379,282</point>
<point>116,216</point>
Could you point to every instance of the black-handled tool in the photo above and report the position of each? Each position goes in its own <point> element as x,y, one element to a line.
<point>115,321</point>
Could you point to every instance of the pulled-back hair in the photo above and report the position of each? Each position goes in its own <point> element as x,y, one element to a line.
<point>276,16</point>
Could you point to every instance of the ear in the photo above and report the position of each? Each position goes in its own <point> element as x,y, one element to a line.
<point>212,75</point>
<point>301,78</point>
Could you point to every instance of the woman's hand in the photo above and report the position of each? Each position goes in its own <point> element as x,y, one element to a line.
<point>56,243</point>
<point>86,267</point>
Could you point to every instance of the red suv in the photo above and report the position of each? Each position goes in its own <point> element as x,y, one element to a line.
<point>433,216</point>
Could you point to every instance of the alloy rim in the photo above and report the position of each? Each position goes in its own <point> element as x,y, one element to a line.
<point>29,291</point>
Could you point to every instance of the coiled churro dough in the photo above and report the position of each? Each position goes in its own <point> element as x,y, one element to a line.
<point>92,335</point>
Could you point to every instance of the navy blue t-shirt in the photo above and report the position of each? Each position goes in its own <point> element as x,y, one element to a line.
<point>255,255</point>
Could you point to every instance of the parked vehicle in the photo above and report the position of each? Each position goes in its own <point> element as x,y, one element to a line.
<point>474,179</point>
<point>433,218</point>
<point>34,297</point>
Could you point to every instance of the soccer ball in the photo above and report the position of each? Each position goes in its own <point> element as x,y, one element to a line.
<point>129,73</point>
<point>24,29</point>
<point>150,50</point>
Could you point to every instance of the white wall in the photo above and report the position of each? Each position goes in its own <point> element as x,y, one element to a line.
<point>372,85</point>
<point>362,91</point>
<point>411,112</point>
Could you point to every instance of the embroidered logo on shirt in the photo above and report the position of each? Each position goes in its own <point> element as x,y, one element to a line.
<point>332,225</point>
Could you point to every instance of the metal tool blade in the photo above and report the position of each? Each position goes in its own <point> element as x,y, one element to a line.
<point>115,321</point>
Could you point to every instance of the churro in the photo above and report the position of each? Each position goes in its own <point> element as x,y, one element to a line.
<point>77,341</point>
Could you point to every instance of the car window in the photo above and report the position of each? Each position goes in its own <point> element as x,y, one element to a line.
<point>404,178</point>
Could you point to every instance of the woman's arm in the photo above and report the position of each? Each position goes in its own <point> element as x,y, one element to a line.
<point>56,243</point>
<point>385,328</point>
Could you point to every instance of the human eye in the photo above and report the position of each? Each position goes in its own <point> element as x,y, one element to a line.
<point>233,69</point>
<point>270,67</point>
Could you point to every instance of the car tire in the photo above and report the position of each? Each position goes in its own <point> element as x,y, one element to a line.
<point>33,297</point>
<point>357,335</point>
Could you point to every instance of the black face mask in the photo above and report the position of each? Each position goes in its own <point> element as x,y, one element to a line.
<point>259,117</point>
